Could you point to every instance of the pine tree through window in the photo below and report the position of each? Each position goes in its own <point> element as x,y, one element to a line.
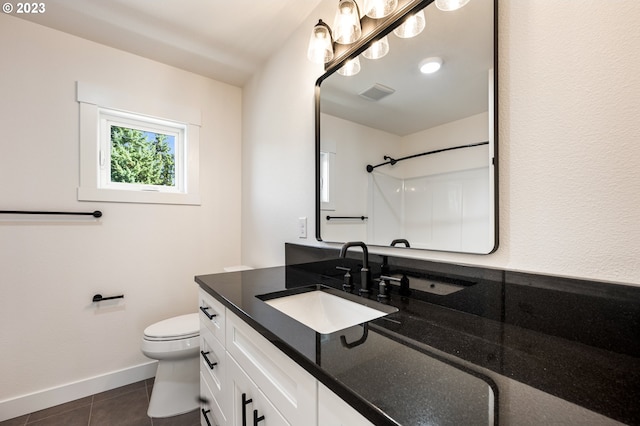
<point>142,157</point>
<point>141,153</point>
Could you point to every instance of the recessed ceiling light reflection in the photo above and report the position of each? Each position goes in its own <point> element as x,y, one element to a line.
<point>430,65</point>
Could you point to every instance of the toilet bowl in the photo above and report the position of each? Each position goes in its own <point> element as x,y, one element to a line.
<point>175,343</point>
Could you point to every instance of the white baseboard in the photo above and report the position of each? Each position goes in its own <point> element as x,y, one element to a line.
<point>25,404</point>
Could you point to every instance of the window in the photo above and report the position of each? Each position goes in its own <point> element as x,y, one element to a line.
<point>327,180</point>
<point>136,157</point>
<point>141,153</point>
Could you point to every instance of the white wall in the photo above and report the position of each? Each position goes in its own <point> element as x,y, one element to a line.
<point>50,331</point>
<point>465,131</point>
<point>278,152</point>
<point>355,147</point>
<point>569,161</point>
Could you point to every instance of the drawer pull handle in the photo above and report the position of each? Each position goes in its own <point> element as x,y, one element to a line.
<point>257,419</point>
<point>204,414</point>
<point>204,309</point>
<point>206,358</point>
<point>245,401</point>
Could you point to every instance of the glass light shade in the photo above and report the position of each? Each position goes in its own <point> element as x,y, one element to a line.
<point>449,5</point>
<point>352,67</point>
<point>379,8</point>
<point>412,26</point>
<point>346,26</point>
<point>320,48</point>
<point>378,49</point>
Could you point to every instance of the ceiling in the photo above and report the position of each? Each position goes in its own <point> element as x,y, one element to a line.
<point>464,41</point>
<point>223,40</point>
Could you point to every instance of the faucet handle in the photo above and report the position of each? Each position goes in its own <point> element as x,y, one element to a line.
<point>387,278</point>
<point>383,286</point>
<point>348,278</point>
<point>404,286</point>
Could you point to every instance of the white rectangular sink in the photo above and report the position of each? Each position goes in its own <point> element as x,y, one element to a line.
<point>325,312</point>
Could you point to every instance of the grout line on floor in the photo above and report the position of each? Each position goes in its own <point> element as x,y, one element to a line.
<point>91,410</point>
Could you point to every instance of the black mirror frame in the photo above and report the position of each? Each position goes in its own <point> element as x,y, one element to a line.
<point>377,31</point>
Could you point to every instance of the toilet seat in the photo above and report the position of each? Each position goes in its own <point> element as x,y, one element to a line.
<point>176,328</point>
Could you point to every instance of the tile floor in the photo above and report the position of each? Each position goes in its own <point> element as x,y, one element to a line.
<point>125,406</point>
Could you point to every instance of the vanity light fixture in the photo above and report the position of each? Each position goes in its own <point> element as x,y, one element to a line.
<point>347,29</point>
<point>430,65</point>
<point>450,5</point>
<point>351,67</point>
<point>320,48</point>
<point>377,9</point>
<point>412,26</point>
<point>378,49</point>
<point>346,25</point>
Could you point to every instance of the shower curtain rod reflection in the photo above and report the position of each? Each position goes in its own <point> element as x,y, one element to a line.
<point>393,161</point>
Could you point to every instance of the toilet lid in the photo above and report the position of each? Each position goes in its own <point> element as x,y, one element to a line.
<point>180,327</point>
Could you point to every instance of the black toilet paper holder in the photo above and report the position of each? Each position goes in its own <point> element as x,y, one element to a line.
<point>99,298</point>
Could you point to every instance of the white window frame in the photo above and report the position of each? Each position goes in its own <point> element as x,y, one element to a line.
<point>99,108</point>
<point>110,117</point>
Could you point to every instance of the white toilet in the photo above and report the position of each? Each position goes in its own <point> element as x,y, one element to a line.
<point>174,342</point>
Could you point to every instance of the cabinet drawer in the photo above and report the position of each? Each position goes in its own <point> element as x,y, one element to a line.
<point>212,314</point>
<point>210,412</point>
<point>287,385</point>
<point>213,368</point>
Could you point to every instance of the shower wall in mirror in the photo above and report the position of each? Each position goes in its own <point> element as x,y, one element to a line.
<point>406,155</point>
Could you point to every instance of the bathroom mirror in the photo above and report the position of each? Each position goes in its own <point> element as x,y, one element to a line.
<point>430,140</point>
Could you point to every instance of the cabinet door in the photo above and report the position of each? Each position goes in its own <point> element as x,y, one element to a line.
<point>287,385</point>
<point>249,406</point>
<point>333,411</point>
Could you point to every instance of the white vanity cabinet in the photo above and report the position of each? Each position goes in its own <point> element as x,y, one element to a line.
<point>213,361</point>
<point>249,405</point>
<point>286,385</point>
<point>244,375</point>
<point>333,411</point>
<point>210,414</point>
<point>212,315</point>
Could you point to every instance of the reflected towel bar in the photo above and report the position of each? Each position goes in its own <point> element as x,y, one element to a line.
<point>96,213</point>
<point>347,217</point>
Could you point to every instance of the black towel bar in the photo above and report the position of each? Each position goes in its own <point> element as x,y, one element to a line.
<point>96,213</point>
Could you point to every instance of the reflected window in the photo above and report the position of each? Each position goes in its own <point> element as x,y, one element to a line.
<point>327,168</point>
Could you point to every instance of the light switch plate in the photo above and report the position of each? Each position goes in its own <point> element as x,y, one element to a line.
<point>302,227</point>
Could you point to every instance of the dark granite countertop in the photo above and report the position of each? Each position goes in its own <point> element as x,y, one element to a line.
<point>428,362</point>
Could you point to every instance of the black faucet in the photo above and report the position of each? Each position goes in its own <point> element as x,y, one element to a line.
<point>384,268</point>
<point>365,274</point>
